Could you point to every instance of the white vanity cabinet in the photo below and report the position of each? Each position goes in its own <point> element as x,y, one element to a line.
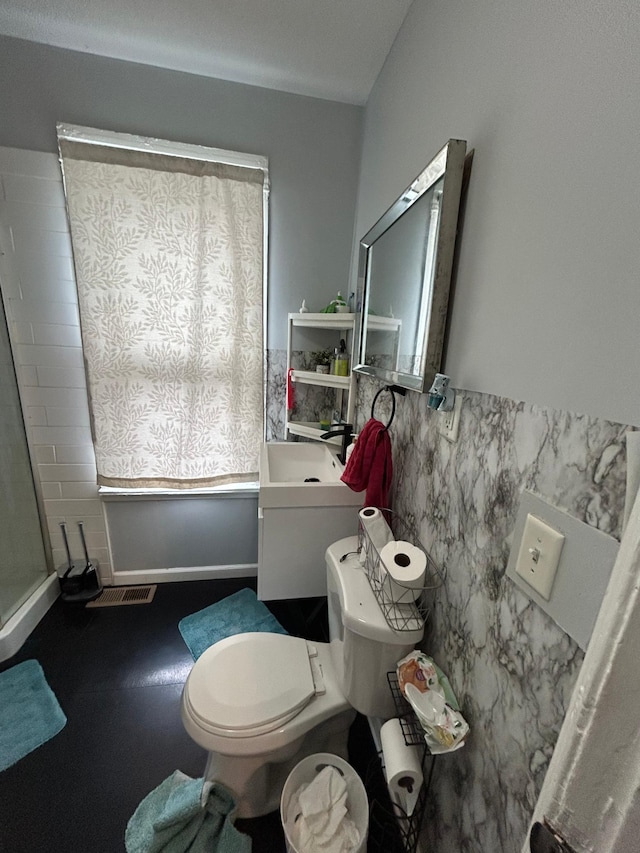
<point>292,542</point>
<point>303,507</point>
<point>336,326</point>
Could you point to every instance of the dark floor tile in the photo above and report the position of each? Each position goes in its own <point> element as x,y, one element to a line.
<point>119,647</point>
<point>118,675</point>
<point>266,833</point>
<point>303,618</point>
<point>79,789</point>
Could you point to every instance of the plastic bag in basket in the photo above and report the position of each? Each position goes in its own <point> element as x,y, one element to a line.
<point>427,689</point>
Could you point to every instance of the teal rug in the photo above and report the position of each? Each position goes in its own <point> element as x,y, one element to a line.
<point>30,713</point>
<point>237,614</point>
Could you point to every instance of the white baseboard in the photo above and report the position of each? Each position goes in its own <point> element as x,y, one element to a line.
<point>190,573</point>
<point>22,623</point>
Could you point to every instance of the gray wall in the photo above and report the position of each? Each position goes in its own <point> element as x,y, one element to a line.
<point>544,311</point>
<point>216,530</point>
<point>313,148</point>
<point>547,301</point>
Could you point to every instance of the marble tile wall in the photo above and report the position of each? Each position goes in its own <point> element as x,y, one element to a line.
<point>275,413</point>
<point>312,402</point>
<point>512,668</point>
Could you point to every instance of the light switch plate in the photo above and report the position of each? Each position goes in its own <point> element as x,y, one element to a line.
<point>585,566</point>
<point>539,555</point>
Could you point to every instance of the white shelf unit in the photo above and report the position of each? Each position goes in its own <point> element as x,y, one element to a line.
<point>383,324</point>
<point>309,377</point>
<point>344,324</point>
<point>376,323</point>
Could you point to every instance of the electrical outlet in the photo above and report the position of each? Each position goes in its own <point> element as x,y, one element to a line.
<point>539,555</point>
<point>449,422</point>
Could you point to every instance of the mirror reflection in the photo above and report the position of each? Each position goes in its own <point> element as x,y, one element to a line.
<point>405,272</point>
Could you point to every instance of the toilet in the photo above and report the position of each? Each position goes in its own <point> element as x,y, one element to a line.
<point>259,703</point>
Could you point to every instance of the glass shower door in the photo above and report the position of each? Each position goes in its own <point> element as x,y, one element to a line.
<point>23,565</point>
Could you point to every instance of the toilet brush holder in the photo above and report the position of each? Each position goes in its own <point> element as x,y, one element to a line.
<point>81,585</point>
<point>79,582</point>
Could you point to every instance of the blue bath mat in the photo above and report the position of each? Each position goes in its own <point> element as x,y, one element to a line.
<point>30,712</point>
<point>236,614</point>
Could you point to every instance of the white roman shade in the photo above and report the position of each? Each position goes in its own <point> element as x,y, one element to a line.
<point>169,259</point>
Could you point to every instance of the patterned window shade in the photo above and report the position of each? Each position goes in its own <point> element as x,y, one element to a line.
<point>169,266</point>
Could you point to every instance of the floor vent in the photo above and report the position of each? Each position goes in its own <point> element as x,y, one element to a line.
<point>113,596</point>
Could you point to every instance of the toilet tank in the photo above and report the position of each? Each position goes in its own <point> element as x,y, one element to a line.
<point>363,646</point>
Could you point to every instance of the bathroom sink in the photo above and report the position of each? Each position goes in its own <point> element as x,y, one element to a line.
<point>302,474</point>
<point>295,462</point>
<point>303,507</point>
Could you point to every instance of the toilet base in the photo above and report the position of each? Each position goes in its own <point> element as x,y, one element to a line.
<point>257,781</point>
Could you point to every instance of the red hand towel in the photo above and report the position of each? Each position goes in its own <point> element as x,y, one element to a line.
<point>370,465</point>
<point>291,395</point>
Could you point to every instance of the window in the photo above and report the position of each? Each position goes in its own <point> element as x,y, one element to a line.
<point>169,247</point>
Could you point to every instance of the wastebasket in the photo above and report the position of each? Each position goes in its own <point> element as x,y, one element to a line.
<point>357,803</point>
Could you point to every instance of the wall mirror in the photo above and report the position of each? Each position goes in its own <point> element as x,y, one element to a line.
<point>404,275</point>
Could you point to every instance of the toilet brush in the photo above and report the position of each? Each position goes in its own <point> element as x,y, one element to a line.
<point>91,586</point>
<point>70,563</point>
<point>87,565</point>
<point>69,585</point>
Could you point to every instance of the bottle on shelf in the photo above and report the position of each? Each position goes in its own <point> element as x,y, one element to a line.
<point>337,367</point>
<point>340,305</point>
<point>340,362</point>
<point>336,306</point>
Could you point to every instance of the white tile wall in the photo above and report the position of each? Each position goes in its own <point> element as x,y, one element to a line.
<point>36,275</point>
<point>53,356</point>
<point>37,415</point>
<point>61,377</point>
<point>49,334</point>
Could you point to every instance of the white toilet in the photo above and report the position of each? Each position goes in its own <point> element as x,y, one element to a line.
<point>260,703</point>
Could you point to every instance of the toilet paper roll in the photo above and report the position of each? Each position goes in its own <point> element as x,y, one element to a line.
<point>405,566</point>
<point>375,525</point>
<point>402,766</point>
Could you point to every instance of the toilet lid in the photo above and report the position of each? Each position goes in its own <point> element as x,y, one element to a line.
<point>250,684</point>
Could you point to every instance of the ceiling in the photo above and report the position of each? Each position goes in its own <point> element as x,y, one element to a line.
<point>331,49</point>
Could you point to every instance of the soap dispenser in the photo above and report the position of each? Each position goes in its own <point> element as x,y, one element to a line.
<point>341,360</point>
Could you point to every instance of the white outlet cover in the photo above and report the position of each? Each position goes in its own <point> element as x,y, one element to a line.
<point>539,555</point>
<point>449,423</point>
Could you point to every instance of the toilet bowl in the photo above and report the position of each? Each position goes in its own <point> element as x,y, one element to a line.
<point>259,703</point>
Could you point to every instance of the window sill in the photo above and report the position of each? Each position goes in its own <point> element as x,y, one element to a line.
<point>234,490</point>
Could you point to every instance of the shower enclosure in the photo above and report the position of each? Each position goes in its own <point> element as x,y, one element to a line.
<point>23,562</point>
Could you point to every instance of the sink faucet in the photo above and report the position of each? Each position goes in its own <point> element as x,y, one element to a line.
<point>345,431</point>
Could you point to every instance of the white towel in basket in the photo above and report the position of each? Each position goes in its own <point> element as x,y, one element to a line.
<point>318,820</point>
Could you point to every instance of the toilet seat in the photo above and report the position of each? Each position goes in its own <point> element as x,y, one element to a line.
<point>253,683</point>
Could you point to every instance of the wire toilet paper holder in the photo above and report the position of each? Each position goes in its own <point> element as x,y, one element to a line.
<point>392,830</point>
<point>404,608</point>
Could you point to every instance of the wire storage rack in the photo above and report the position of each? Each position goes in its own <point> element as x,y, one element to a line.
<point>392,830</point>
<point>404,608</point>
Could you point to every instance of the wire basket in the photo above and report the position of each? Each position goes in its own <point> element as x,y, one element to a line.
<point>404,608</point>
<point>412,731</point>
<point>391,829</point>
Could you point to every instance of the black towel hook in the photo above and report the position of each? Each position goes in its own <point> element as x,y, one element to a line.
<point>392,389</point>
